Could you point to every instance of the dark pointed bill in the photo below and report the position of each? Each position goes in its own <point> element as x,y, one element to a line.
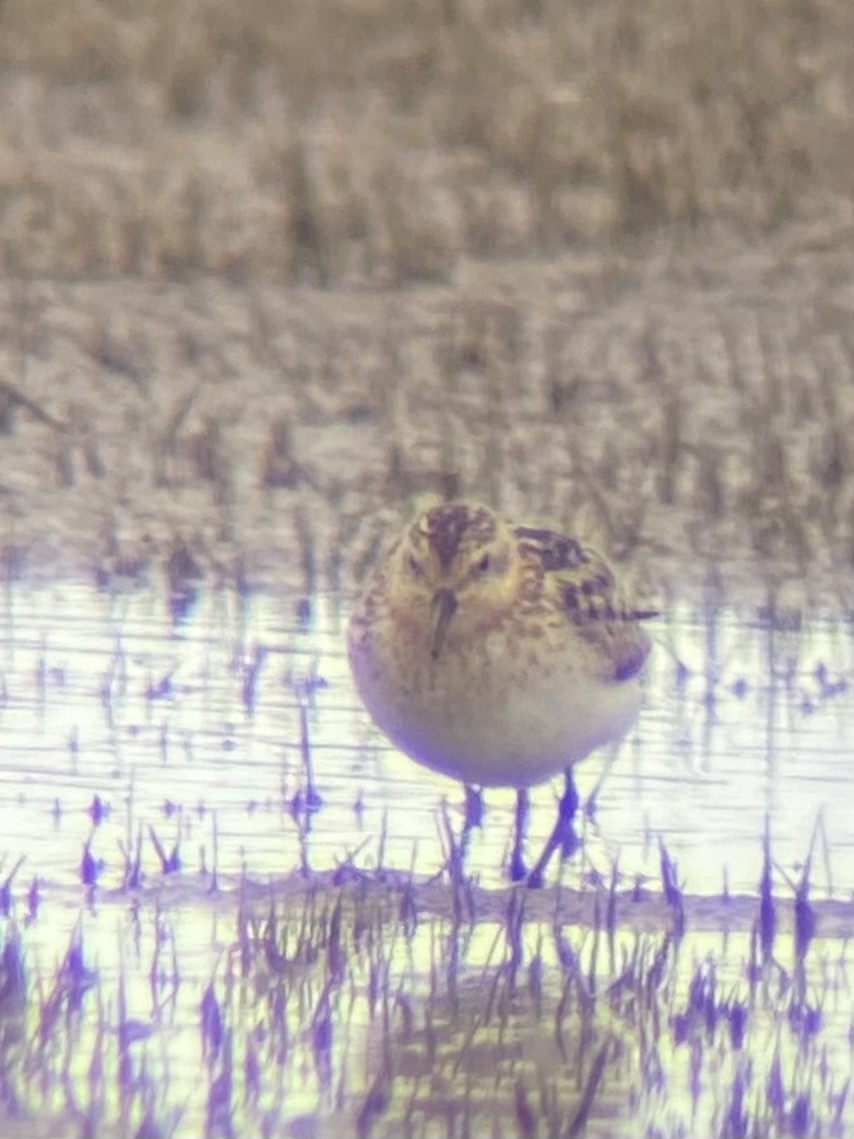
<point>444,606</point>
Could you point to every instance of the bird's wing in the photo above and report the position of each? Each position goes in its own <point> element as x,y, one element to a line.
<point>582,583</point>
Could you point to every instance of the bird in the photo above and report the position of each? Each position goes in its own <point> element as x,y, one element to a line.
<point>498,654</point>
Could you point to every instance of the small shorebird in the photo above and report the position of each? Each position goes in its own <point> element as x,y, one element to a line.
<point>497,654</point>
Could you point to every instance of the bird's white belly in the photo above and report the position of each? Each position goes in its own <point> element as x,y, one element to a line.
<point>498,724</point>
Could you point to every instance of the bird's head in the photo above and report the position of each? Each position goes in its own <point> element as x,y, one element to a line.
<point>456,570</point>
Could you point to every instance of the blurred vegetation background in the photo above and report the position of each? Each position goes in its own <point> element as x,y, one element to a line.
<point>378,140</point>
<point>272,269</point>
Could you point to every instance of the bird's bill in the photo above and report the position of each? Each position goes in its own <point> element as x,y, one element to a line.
<point>444,606</point>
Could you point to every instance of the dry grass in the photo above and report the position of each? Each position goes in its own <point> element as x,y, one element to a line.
<point>380,140</point>
<point>692,413</point>
<point>697,409</point>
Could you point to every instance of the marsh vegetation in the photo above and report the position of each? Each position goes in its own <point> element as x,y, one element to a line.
<point>270,271</point>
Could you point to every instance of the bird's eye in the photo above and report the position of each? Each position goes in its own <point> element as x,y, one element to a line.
<point>484,565</point>
<point>413,566</point>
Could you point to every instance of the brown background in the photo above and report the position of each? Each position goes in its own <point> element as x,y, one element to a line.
<point>271,270</point>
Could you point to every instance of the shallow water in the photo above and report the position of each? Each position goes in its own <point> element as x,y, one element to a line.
<point>117,725</point>
<point>126,736</point>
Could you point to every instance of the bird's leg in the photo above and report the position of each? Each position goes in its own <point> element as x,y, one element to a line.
<point>563,835</point>
<point>517,861</point>
<point>472,816</point>
<point>473,811</point>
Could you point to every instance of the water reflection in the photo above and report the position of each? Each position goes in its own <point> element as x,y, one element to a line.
<point>233,742</point>
<point>230,747</point>
<point>369,1006</point>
